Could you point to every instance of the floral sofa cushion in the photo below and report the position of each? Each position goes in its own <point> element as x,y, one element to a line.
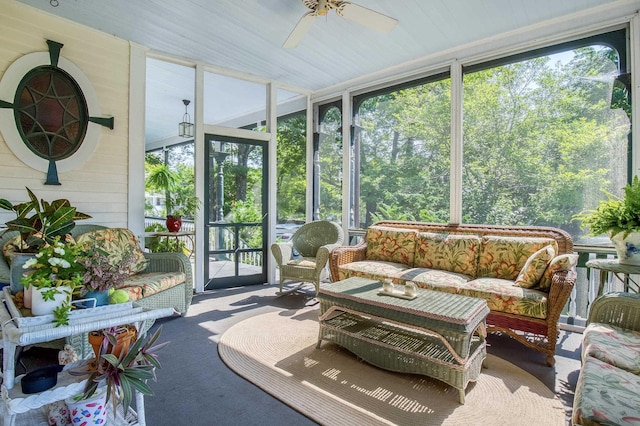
<point>11,247</point>
<point>117,242</point>
<point>373,269</point>
<point>448,252</point>
<point>563,262</point>
<point>615,403</point>
<point>504,257</point>
<point>145,285</point>
<point>535,266</point>
<point>435,279</point>
<point>613,345</point>
<point>391,244</point>
<point>501,295</point>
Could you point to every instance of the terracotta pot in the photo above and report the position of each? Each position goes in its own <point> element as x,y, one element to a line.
<point>125,338</point>
<point>174,223</point>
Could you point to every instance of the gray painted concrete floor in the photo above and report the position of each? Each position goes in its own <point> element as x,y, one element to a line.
<point>194,386</point>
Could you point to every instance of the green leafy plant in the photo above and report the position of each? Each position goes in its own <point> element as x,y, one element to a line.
<point>39,221</point>
<point>53,267</point>
<point>615,215</point>
<point>178,201</point>
<point>126,372</point>
<point>163,245</point>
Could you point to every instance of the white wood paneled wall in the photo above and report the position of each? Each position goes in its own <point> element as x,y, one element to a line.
<point>98,187</point>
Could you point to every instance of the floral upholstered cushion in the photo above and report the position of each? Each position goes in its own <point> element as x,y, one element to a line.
<point>373,269</point>
<point>434,279</point>
<point>563,262</point>
<point>534,267</point>
<point>144,285</point>
<point>448,252</point>
<point>606,395</point>
<point>118,243</point>
<point>391,244</point>
<point>502,295</point>
<point>11,247</point>
<point>612,345</point>
<point>504,257</point>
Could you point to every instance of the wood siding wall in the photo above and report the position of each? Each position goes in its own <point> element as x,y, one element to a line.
<point>99,186</point>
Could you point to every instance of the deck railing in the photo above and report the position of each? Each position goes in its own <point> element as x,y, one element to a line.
<point>586,288</point>
<point>575,312</point>
<point>247,258</point>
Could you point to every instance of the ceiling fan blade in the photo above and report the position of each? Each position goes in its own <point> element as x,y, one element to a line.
<point>301,28</point>
<point>366,17</point>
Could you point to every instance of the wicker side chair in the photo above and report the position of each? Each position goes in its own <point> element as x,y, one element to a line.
<point>618,309</point>
<point>314,241</point>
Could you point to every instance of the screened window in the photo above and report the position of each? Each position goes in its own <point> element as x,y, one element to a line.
<point>291,175</point>
<point>401,150</point>
<point>328,164</point>
<point>179,159</point>
<point>542,138</point>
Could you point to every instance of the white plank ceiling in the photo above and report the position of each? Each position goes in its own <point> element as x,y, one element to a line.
<point>247,35</point>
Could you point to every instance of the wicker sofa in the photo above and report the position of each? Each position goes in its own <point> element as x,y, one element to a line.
<point>608,388</point>
<point>525,274</point>
<point>162,279</point>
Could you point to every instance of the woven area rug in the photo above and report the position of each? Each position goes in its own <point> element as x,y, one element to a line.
<point>277,352</point>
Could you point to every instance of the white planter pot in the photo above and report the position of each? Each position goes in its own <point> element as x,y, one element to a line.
<point>39,306</point>
<point>91,411</point>
<point>27,297</point>
<point>627,248</point>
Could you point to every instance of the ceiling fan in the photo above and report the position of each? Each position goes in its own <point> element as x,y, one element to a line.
<point>353,12</point>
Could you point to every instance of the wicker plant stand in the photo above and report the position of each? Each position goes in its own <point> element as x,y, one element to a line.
<point>437,334</point>
<point>19,330</point>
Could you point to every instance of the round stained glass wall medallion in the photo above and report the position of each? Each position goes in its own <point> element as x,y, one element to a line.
<point>51,113</point>
<point>51,122</point>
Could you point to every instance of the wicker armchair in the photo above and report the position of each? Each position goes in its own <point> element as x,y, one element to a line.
<point>617,309</point>
<point>314,242</point>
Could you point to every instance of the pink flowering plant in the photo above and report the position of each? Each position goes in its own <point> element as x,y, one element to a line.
<point>101,272</point>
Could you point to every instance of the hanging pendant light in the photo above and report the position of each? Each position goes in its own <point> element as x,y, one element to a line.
<point>185,128</point>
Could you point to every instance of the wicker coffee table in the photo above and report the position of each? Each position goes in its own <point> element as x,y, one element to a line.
<point>437,334</point>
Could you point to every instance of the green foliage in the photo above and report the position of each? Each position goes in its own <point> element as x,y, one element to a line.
<point>615,215</point>
<point>176,185</point>
<point>48,221</point>
<point>391,213</point>
<point>291,174</point>
<point>162,244</point>
<point>55,265</point>
<point>247,212</point>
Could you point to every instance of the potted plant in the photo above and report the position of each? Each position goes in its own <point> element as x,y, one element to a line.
<point>179,201</point>
<point>123,371</point>
<point>39,221</point>
<point>163,245</point>
<point>620,219</point>
<point>53,275</point>
<point>102,275</point>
